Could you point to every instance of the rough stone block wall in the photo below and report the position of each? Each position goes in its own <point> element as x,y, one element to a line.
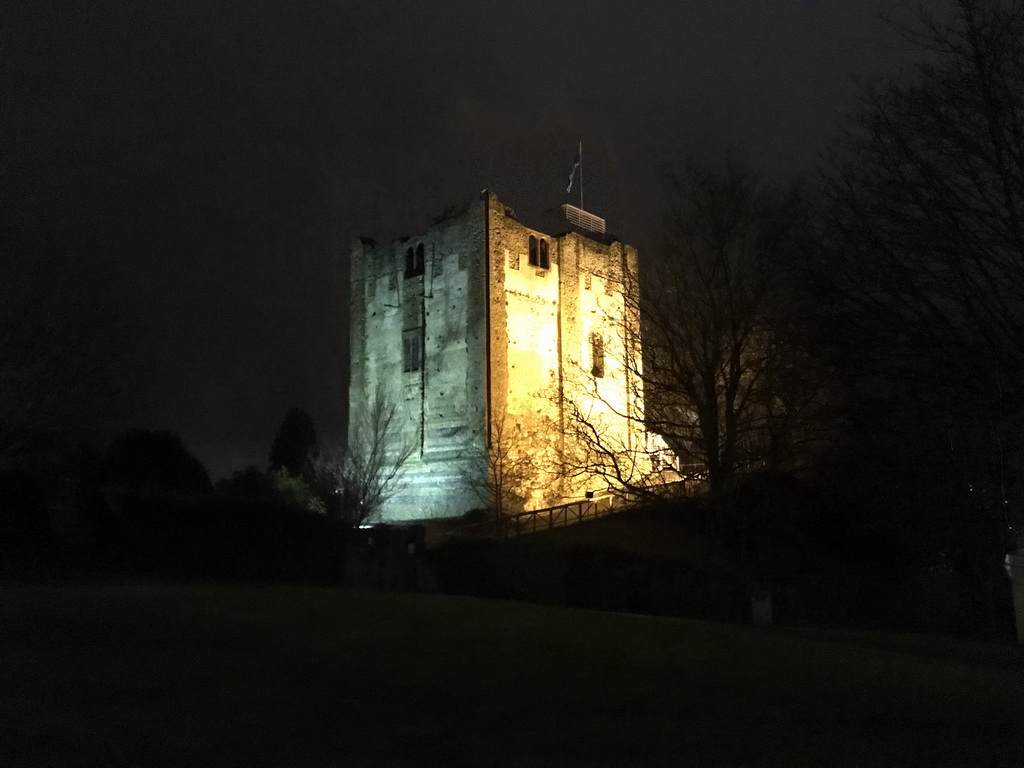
<point>442,403</point>
<point>542,322</point>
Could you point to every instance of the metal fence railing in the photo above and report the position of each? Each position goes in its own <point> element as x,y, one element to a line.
<point>558,516</point>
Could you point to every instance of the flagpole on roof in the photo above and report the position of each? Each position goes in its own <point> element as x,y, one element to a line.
<point>577,166</point>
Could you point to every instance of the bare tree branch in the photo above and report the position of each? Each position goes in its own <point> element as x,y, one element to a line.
<point>924,236</point>
<point>356,483</point>
<point>716,377</point>
<point>63,367</point>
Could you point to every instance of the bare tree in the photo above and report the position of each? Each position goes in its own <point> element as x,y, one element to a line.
<point>716,377</point>
<point>507,475</point>
<point>64,371</point>
<point>606,440</point>
<point>925,262</point>
<point>355,483</point>
<point>925,252</point>
<point>927,207</point>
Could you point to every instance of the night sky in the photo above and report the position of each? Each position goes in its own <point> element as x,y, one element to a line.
<point>204,165</point>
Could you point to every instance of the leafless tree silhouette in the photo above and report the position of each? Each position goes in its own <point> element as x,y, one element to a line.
<point>356,482</point>
<point>723,378</point>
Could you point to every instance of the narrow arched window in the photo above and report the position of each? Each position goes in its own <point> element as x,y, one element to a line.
<point>544,262</point>
<point>410,265</point>
<point>414,261</point>
<point>596,355</point>
<point>534,252</point>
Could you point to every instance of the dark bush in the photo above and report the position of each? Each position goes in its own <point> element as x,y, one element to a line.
<point>511,570</point>
<point>225,539</point>
<point>26,538</point>
<point>144,460</point>
<point>599,578</point>
<point>295,442</point>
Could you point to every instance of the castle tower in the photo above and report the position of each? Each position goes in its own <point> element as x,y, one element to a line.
<point>490,335</point>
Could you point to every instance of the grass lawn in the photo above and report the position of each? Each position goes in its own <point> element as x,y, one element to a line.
<point>228,676</point>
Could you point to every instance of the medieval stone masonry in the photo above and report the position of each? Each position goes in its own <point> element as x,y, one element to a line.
<point>486,331</point>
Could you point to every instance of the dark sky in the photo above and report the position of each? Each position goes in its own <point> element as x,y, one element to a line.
<point>207,163</point>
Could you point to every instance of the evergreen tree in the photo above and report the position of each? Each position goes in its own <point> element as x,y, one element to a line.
<point>295,442</point>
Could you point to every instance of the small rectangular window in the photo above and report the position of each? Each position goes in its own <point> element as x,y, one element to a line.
<point>412,350</point>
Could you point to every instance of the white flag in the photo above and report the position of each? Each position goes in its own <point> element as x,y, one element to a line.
<point>572,173</point>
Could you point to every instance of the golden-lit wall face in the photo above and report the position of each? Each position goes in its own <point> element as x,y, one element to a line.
<point>561,346</point>
<point>532,306</point>
<point>600,383</point>
<point>525,356</point>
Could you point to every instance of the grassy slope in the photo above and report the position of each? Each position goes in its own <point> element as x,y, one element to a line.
<point>220,676</point>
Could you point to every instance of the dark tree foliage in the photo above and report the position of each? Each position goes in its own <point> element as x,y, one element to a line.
<point>923,271</point>
<point>276,487</point>
<point>64,370</point>
<point>353,484</point>
<point>725,377</point>
<point>295,442</point>
<point>249,484</point>
<point>24,525</point>
<point>926,236</point>
<point>720,345</point>
<point>148,460</point>
<point>927,214</point>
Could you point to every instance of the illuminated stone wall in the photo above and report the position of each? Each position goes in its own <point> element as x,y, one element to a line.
<point>443,402</point>
<point>506,344</point>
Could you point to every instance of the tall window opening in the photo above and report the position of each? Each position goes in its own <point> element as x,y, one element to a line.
<point>597,355</point>
<point>414,261</point>
<point>539,253</point>
<point>412,350</point>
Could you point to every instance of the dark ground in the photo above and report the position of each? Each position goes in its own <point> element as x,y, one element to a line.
<point>173,675</point>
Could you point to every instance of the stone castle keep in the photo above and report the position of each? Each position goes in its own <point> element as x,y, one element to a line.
<point>485,332</point>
